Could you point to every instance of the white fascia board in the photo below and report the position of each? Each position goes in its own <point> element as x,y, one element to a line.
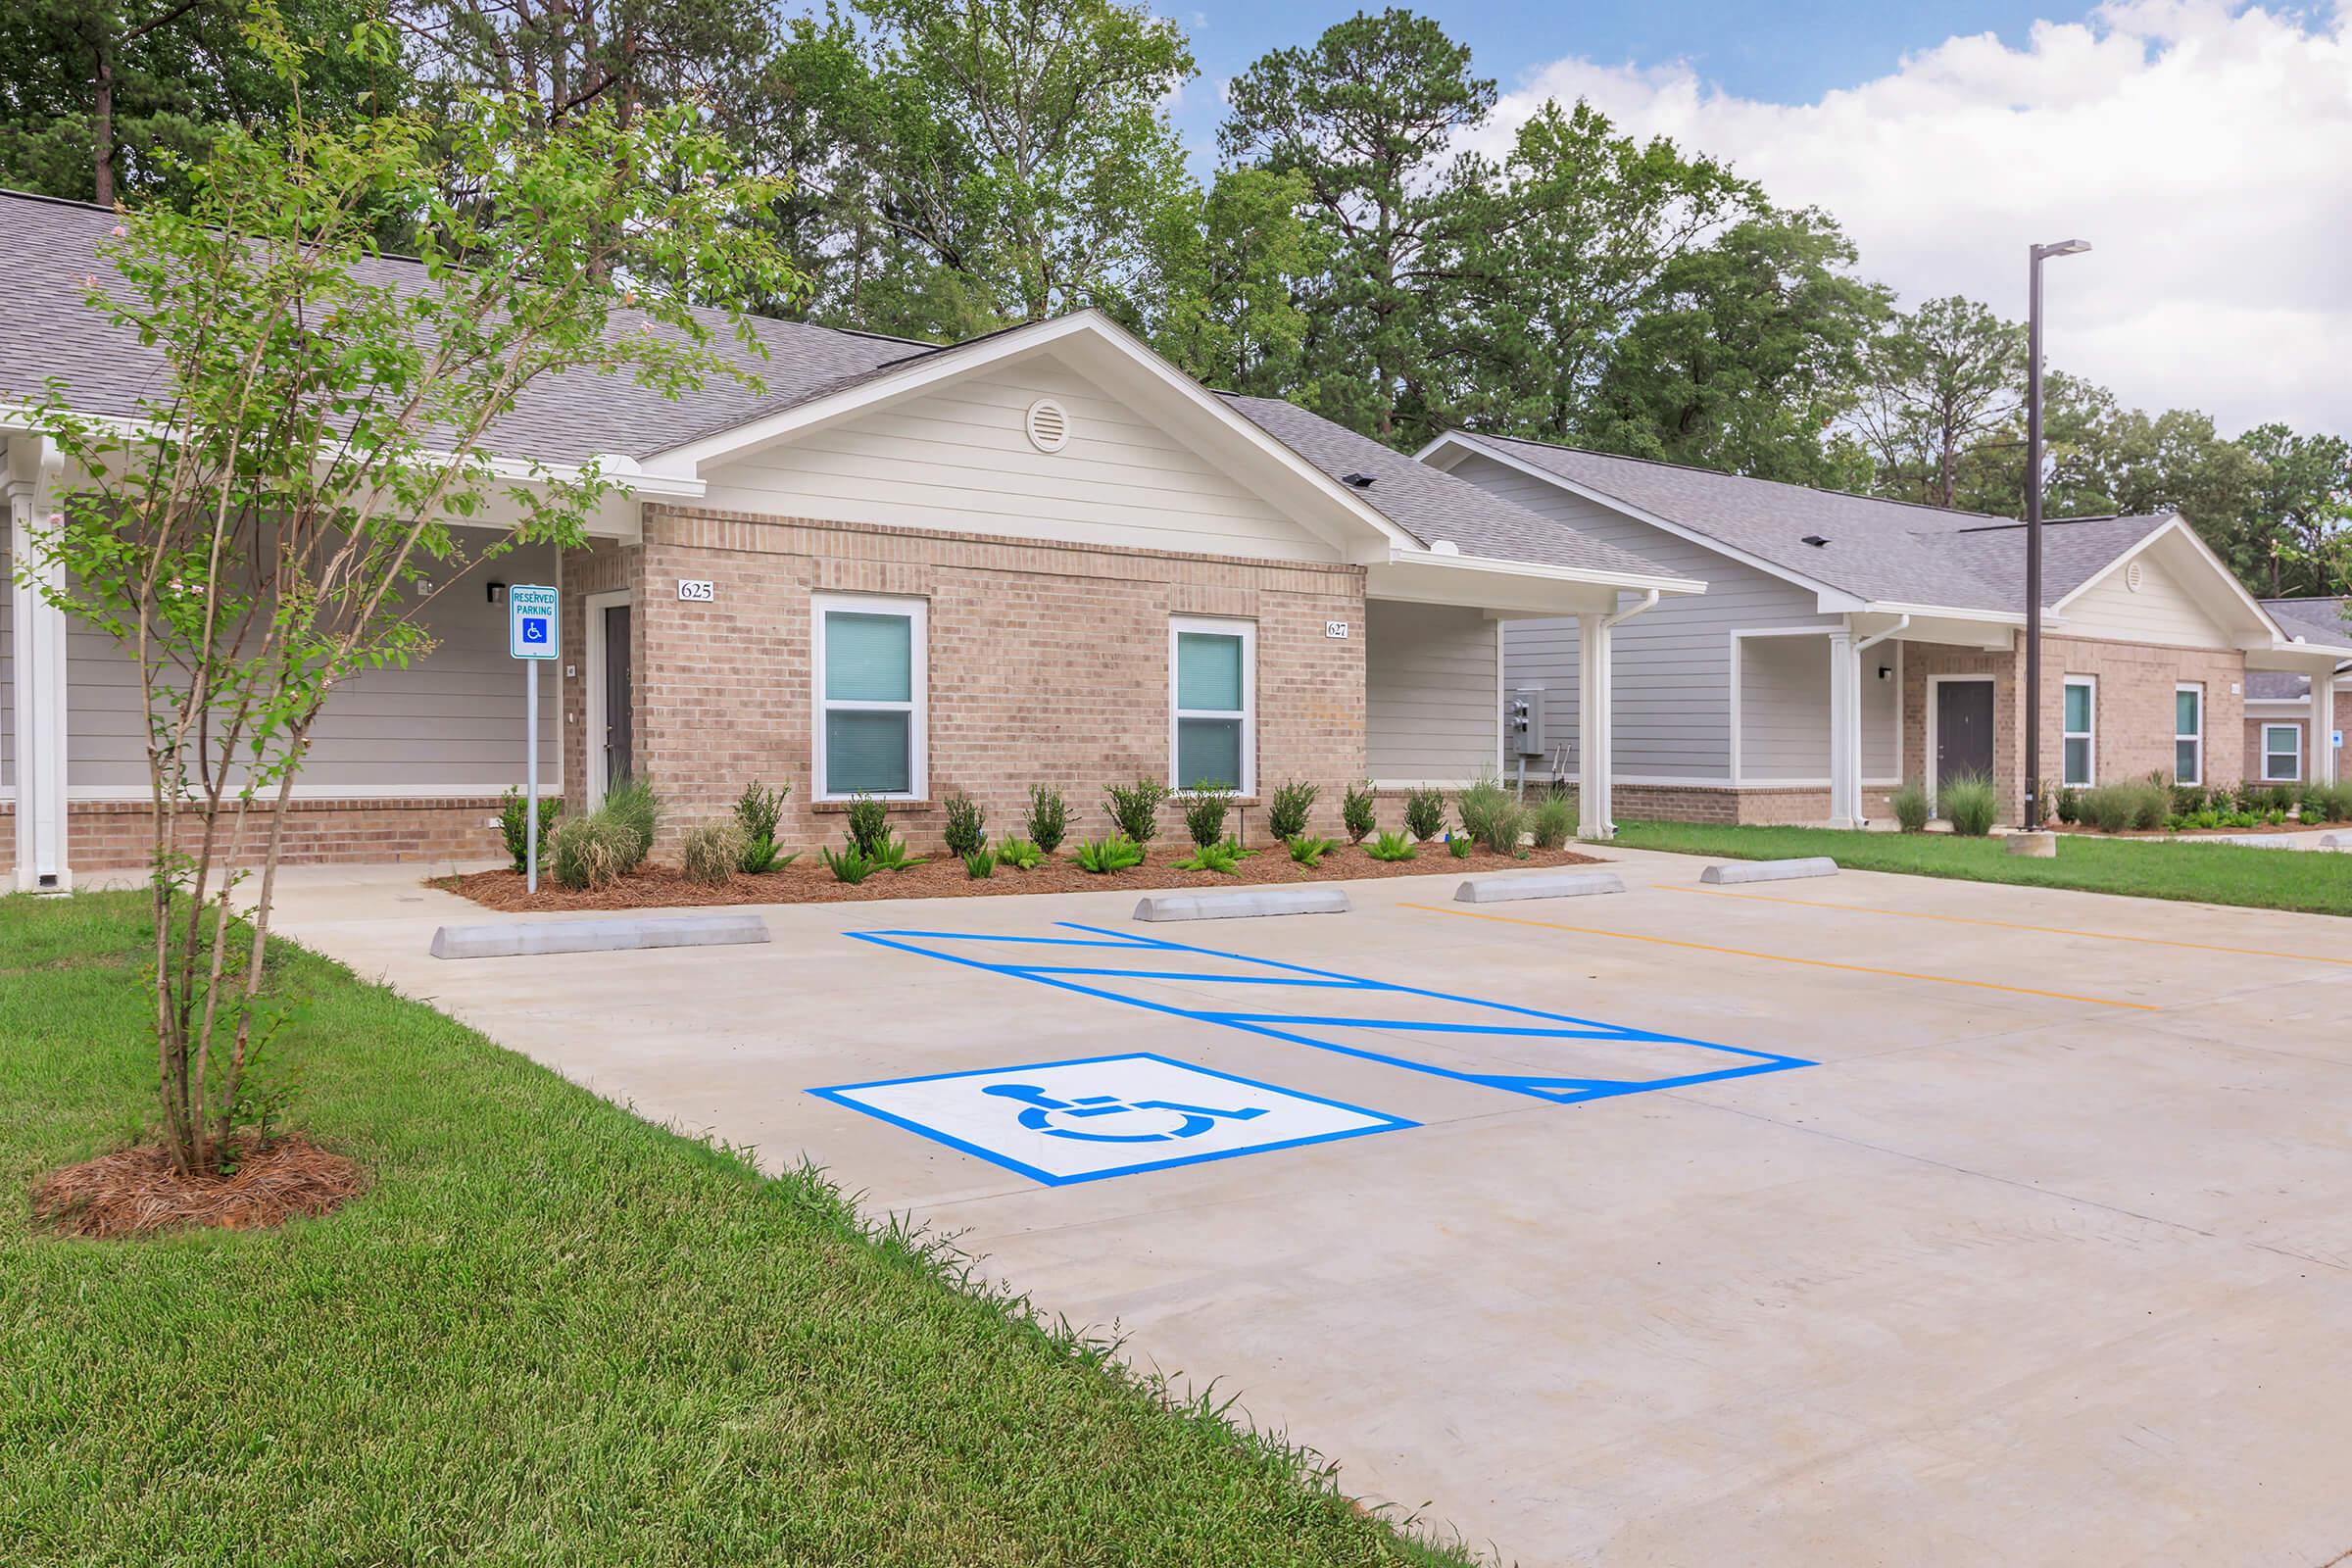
<point>1639,582</point>
<point>931,370</point>
<point>2295,655</point>
<point>1833,601</point>
<point>1990,617</point>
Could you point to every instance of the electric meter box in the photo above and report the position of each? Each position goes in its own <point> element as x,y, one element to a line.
<point>1523,721</point>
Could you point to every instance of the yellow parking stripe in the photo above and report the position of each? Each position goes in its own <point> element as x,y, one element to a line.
<point>2013,925</point>
<point>1783,958</point>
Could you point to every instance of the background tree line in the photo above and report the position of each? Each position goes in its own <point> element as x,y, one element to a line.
<point>957,165</point>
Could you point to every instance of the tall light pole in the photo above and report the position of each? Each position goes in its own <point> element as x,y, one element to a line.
<point>2033,716</point>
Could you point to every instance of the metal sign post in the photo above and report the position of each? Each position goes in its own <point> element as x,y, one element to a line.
<point>533,638</point>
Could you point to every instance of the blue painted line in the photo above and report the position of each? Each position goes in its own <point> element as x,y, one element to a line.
<point>1558,1087</point>
<point>838,1095</point>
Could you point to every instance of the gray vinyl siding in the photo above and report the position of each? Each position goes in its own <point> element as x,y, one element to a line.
<point>1784,709</point>
<point>1673,664</point>
<point>1432,711</point>
<point>449,723</point>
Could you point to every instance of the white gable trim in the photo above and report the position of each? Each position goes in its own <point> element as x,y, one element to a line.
<point>1364,535</point>
<point>2260,633</point>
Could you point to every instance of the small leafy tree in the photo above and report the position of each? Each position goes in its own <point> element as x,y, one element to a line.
<point>269,523</point>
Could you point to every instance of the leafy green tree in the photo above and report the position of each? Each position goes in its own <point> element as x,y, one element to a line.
<point>553,58</point>
<point>1746,356</point>
<point>1938,382</point>
<point>100,98</point>
<point>977,163</point>
<point>267,525</point>
<point>1368,117</point>
<point>1228,276</point>
<point>1571,241</point>
<point>2299,512</point>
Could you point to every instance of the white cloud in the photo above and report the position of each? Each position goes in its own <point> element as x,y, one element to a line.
<point>2205,152</point>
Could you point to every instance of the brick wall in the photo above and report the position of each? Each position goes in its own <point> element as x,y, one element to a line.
<point>111,835</point>
<point>1049,664</point>
<point>2136,686</point>
<point>2300,717</point>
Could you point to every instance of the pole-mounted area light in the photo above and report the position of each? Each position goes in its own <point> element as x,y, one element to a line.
<point>2033,724</point>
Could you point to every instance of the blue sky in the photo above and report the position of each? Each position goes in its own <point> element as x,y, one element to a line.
<point>1753,51</point>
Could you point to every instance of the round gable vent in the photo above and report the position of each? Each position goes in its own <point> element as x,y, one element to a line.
<point>2132,578</point>
<point>1048,425</point>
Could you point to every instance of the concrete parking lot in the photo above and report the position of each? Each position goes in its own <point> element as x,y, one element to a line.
<point>1864,1220</point>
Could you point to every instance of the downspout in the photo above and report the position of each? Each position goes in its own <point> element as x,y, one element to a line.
<point>1598,744</point>
<point>1901,623</point>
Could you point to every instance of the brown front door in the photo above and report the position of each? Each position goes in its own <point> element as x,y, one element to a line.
<point>1963,730</point>
<point>617,690</point>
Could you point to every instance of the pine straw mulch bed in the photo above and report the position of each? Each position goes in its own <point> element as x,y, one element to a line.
<point>137,1190</point>
<point>808,881</point>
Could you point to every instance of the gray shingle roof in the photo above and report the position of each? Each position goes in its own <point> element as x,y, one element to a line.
<point>48,247</point>
<point>1432,505</point>
<point>2277,683</point>
<point>2320,621</point>
<point>1893,551</point>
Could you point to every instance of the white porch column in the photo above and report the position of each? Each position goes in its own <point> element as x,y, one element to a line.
<point>1845,731</point>
<point>1595,746</point>
<point>37,630</point>
<point>2323,765</point>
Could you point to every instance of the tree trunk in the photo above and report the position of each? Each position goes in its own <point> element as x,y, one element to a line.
<point>102,130</point>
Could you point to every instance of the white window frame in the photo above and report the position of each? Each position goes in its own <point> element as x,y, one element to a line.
<point>918,746</point>
<point>2297,751</point>
<point>2090,737</point>
<point>2197,736</point>
<point>1216,626</point>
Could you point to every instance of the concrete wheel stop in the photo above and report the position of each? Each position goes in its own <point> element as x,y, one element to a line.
<point>1769,871</point>
<point>516,939</point>
<point>1240,905</point>
<point>1511,886</point>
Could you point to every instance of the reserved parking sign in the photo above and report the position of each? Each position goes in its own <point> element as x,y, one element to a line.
<point>531,625</point>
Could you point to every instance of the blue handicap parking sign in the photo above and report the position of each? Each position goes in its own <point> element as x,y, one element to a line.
<point>534,628</point>
<point>1058,1122</point>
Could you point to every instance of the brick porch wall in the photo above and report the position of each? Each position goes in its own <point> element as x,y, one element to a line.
<point>113,835</point>
<point>1049,664</point>
<point>2302,721</point>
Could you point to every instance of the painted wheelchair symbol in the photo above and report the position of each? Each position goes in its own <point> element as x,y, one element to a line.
<point>1191,1120</point>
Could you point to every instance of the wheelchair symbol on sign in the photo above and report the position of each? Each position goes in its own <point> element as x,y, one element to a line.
<point>1189,1121</point>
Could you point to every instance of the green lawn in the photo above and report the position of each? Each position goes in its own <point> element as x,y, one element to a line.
<point>550,1334</point>
<point>2315,882</point>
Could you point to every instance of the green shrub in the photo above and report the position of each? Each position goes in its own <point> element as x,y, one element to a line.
<point>1971,804</point>
<point>966,826</point>
<point>758,811</point>
<point>1309,851</point>
<point>513,822</point>
<point>2070,805</point>
<point>1117,852</point>
<point>848,865</point>
<point>591,852</point>
<point>891,854</point>
<point>1223,854</point>
<point>1020,855</point>
<point>1457,845</point>
<point>632,807</point>
<point>979,864</point>
<point>2154,803</point>
<point>710,853</point>
<point>1205,813</point>
<point>869,824</point>
<point>2111,807</point>
<point>2280,798</point>
<point>1910,806</point>
<point>2187,799</point>
<point>1553,821</point>
<point>1424,812</point>
<point>1392,846</point>
<point>1357,810</point>
<point>2335,800</point>
<point>1135,808</point>
<point>1490,814</point>
<point>1286,813</point>
<point>1048,821</point>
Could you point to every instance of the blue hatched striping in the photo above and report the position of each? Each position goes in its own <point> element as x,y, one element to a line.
<point>1503,1020</point>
